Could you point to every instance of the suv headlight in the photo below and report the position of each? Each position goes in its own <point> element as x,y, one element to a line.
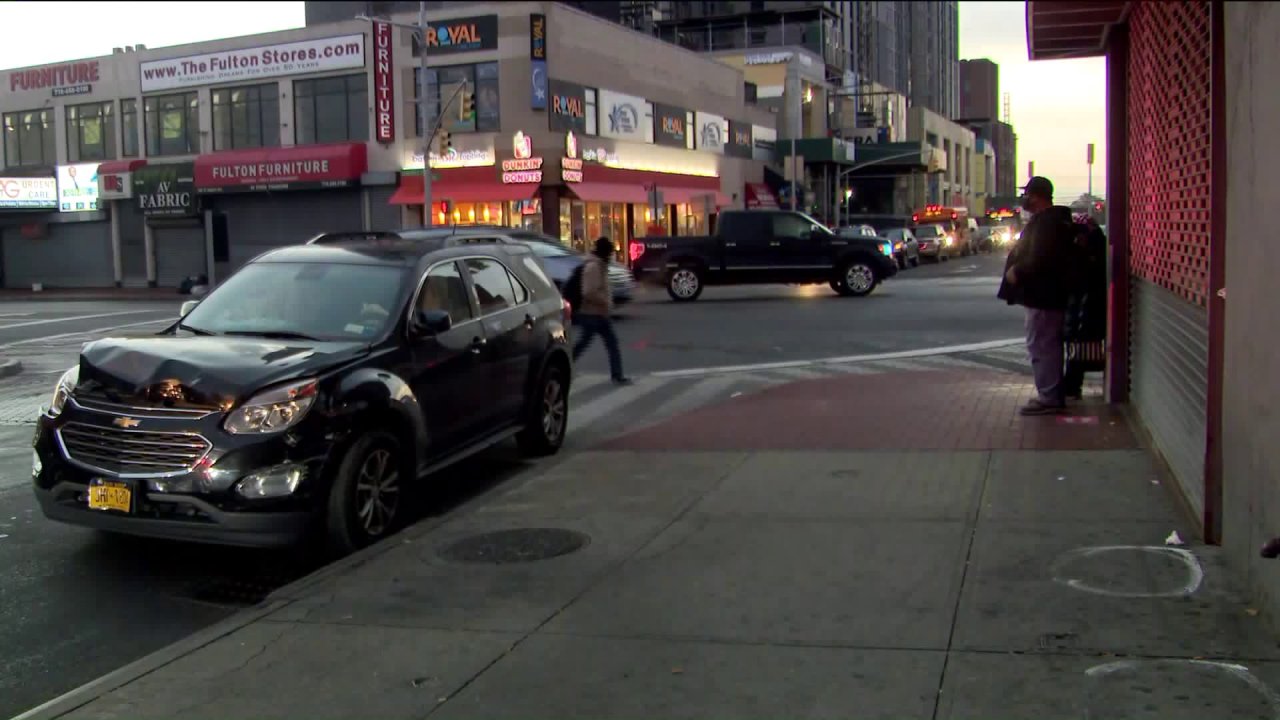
<point>62,392</point>
<point>273,410</point>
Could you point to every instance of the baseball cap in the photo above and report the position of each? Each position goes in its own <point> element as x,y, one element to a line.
<point>1038,186</point>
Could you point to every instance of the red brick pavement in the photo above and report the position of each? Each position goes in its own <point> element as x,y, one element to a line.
<point>951,410</point>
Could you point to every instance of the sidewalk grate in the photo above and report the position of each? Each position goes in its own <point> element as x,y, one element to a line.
<point>522,545</point>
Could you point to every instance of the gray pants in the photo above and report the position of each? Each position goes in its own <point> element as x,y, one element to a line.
<point>1044,344</point>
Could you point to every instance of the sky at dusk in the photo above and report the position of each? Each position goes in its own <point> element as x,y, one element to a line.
<point>1057,106</point>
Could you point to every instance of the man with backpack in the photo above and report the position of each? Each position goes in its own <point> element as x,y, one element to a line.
<point>591,299</point>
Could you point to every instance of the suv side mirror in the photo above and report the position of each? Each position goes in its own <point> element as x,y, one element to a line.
<point>433,322</point>
<point>187,307</point>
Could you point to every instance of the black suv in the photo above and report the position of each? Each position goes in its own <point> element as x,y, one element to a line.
<point>309,391</point>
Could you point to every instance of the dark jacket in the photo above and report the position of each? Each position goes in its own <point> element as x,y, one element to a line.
<point>1087,313</point>
<point>1045,261</point>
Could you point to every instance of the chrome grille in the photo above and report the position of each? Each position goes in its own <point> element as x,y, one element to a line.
<point>132,452</point>
<point>111,408</point>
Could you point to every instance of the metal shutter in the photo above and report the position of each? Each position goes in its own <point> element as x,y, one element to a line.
<point>73,255</point>
<point>257,222</point>
<point>1169,181</point>
<point>180,253</point>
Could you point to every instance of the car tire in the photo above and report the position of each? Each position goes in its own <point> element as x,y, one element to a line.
<point>684,284</point>
<point>372,473</point>
<point>857,278</point>
<point>547,414</point>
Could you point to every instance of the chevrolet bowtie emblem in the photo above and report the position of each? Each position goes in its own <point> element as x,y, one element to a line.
<point>126,422</point>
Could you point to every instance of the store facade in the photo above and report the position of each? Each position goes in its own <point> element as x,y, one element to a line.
<point>580,128</point>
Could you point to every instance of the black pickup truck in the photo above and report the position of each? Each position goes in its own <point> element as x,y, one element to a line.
<point>764,246</point>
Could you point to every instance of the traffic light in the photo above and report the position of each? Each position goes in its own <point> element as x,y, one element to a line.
<point>467,109</point>
<point>444,142</point>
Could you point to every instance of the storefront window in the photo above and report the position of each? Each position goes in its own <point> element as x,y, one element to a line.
<point>606,220</point>
<point>332,109</point>
<point>524,214</point>
<point>693,219</point>
<point>173,124</point>
<point>443,82</point>
<point>246,117</point>
<point>91,132</point>
<point>129,127</point>
<point>645,223</point>
<point>471,213</point>
<point>28,138</point>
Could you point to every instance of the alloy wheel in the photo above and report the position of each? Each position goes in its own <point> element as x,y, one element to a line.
<point>684,283</point>
<point>555,409</point>
<point>377,496</point>
<point>859,278</point>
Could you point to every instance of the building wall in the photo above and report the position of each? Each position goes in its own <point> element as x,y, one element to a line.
<point>935,56</point>
<point>979,89</point>
<point>1251,457</point>
<point>958,142</point>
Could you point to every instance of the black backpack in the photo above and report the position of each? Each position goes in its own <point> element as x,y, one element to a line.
<point>572,290</point>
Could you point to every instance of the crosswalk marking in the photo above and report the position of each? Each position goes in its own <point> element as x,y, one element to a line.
<point>801,373</point>
<point>709,390</point>
<point>612,400</point>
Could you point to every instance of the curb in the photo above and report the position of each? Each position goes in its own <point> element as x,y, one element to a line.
<point>9,368</point>
<point>94,689</point>
<point>899,355</point>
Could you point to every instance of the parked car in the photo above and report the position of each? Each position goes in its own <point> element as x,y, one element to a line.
<point>313,390</point>
<point>935,242</point>
<point>906,248</point>
<point>765,246</point>
<point>559,259</point>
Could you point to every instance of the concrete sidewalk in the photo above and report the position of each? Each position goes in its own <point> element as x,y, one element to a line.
<point>851,547</point>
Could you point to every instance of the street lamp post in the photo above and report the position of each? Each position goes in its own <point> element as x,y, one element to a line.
<point>424,105</point>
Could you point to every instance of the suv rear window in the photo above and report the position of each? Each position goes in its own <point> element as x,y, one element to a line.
<point>929,231</point>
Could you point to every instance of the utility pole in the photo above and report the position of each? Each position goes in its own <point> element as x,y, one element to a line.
<point>1089,160</point>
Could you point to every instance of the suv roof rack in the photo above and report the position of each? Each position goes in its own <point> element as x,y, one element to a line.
<point>333,237</point>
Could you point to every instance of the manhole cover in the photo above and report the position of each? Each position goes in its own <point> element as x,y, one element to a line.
<point>514,546</point>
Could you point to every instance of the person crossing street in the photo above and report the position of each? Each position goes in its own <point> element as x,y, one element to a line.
<point>595,317</point>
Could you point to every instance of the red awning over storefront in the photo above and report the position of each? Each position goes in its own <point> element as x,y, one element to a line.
<point>115,167</point>
<point>294,168</point>
<point>760,196</point>
<point>460,190</point>
<point>609,192</point>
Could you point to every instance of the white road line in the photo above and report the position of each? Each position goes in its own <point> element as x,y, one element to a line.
<point>901,355</point>
<point>801,373</point>
<point>908,365</point>
<point>584,416</point>
<point>76,317</point>
<point>112,328</point>
<point>704,392</point>
<point>582,383</point>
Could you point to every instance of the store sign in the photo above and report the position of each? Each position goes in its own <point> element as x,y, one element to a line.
<point>568,107</point>
<point>65,79</point>
<point>670,125</point>
<point>712,133</point>
<point>649,158</point>
<point>384,94</point>
<point>465,34</point>
<point>295,168</point>
<point>165,190</point>
<point>524,167</point>
<point>295,58</point>
<point>571,163</point>
<point>115,186</point>
<point>773,58</point>
<point>77,187</point>
<point>739,144</point>
<point>538,60</point>
<point>623,116</point>
<point>455,158</point>
<point>34,193</point>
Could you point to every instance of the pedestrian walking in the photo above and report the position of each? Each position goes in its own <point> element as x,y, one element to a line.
<point>595,317</point>
<point>1039,275</point>
<point>1086,329</point>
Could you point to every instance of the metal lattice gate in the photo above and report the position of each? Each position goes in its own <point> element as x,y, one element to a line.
<point>1170,175</point>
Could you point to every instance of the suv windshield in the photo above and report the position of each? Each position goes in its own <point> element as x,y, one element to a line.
<point>324,301</point>
<point>926,232</point>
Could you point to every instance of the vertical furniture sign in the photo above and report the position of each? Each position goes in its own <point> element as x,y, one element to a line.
<point>383,90</point>
<point>538,61</point>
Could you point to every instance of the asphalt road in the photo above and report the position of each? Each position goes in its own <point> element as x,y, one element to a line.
<point>934,305</point>
<point>75,604</point>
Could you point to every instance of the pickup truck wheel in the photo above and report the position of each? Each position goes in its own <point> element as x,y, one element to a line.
<point>684,284</point>
<point>366,497</point>
<point>857,279</point>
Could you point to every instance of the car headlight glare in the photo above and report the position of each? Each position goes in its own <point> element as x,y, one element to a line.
<point>273,410</point>
<point>887,248</point>
<point>66,384</point>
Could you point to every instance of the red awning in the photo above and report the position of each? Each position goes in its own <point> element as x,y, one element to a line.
<point>410,191</point>
<point>760,196</point>
<point>318,166</point>
<point>609,192</point>
<point>116,167</point>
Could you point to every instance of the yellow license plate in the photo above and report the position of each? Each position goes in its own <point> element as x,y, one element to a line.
<point>110,496</point>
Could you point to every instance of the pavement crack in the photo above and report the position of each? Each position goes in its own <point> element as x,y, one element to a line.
<point>964,577</point>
